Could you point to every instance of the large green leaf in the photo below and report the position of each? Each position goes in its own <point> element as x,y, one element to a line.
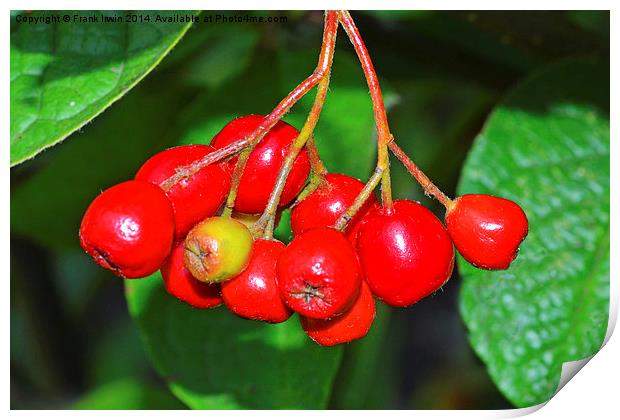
<point>214,360</point>
<point>546,147</point>
<point>65,74</point>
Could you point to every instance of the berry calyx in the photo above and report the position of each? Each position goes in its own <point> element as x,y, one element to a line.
<point>195,197</point>
<point>351,325</point>
<point>254,293</point>
<point>180,283</point>
<point>325,205</point>
<point>406,254</point>
<point>263,165</point>
<point>487,230</point>
<point>318,273</point>
<point>129,229</point>
<point>217,249</point>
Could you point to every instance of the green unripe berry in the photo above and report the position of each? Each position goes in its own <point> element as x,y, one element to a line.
<point>217,249</point>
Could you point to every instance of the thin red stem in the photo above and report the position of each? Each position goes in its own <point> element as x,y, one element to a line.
<point>428,186</point>
<point>383,129</point>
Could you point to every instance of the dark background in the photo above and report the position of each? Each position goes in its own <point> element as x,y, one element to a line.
<point>73,343</point>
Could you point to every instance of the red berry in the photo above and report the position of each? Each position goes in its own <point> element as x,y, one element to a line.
<point>352,325</point>
<point>487,230</point>
<point>406,255</point>
<point>129,228</point>
<point>264,163</point>
<point>254,293</point>
<point>325,205</point>
<point>318,273</point>
<point>353,231</point>
<point>196,197</point>
<point>181,284</point>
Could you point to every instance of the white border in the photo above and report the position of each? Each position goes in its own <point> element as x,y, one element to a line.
<point>593,392</point>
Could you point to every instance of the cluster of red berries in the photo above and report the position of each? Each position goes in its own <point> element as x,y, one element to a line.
<point>330,278</point>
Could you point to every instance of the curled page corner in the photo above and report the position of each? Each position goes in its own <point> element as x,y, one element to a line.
<point>570,369</point>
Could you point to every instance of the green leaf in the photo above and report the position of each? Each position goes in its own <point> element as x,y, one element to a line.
<point>65,74</point>
<point>127,394</point>
<point>212,359</point>
<point>547,148</point>
<point>362,364</point>
<point>107,364</point>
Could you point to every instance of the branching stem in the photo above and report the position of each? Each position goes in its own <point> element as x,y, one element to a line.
<point>385,138</point>
<point>323,66</point>
<point>372,183</point>
<point>267,220</point>
<point>381,122</point>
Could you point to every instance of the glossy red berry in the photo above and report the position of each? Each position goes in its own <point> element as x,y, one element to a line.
<point>196,197</point>
<point>318,273</point>
<point>180,283</point>
<point>217,249</point>
<point>264,163</point>
<point>353,230</point>
<point>325,205</point>
<point>254,293</point>
<point>406,255</point>
<point>351,325</point>
<point>487,230</point>
<point>129,228</point>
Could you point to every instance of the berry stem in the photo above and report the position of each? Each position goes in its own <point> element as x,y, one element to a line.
<point>372,183</point>
<point>381,122</point>
<point>323,66</point>
<point>428,186</point>
<point>236,180</point>
<point>268,218</point>
<point>316,164</point>
<point>315,180</point>
<point>317,175</point>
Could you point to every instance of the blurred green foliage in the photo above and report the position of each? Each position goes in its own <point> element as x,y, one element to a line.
<point>73,344</point>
